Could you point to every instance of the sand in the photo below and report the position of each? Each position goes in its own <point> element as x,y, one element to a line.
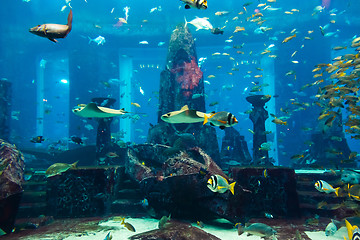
<point>146,224</point>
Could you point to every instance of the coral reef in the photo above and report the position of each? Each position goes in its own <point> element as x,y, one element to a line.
<point>188,74</point>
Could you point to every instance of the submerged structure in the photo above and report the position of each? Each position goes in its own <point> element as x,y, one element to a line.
<point>181,83</point>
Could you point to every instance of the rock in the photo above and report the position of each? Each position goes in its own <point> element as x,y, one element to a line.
<point>182,83</point>
<point>11,178</point>
<point>179,184</point>
<point>234,148</point>
<point>175,230</point>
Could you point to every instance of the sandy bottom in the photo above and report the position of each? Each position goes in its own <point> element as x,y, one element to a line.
<point>81,229</point>
<point>147,224</point>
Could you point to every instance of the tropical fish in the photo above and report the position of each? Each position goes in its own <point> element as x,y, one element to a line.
<point>37,139</point>
<point>135,104</point>
<point>76,140</point>
<point>221,119</point>
<point>108,236</point>
<point>217,183</point>
<point>99,40</point>
<point>127,225</point>
<point>53,31</point>
<point>59,168</point>
<point>257,229</point>
<point>217,31</point>
<point>325,187</point>
<point>184,115</point>
<point>199,4</point>
<point>353,231</point>
<point>163,221</point>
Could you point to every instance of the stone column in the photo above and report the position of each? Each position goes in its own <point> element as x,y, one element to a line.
<point>5,108</point>
<point>103,137</point>
<point>258,116</point>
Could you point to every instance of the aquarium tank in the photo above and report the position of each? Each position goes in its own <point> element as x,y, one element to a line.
<point>180,119</point>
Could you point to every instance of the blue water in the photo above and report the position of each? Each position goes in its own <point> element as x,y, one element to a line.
<point>88,74</point>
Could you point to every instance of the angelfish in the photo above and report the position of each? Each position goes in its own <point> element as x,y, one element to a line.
<point>52,30</point>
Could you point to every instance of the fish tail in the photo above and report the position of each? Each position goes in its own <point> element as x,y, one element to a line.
<point>205,119</point>
<point>90,40</point>
<point>337,191</point>
<point>122,221</point>
<point>185,22</point>
<point>70,18</point>
<point>74,165</point>
<point>231,188</point>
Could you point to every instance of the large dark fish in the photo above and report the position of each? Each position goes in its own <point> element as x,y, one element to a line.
<point>52,30</point>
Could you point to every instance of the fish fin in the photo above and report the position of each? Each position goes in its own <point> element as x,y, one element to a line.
<point>74,165</point>
<point>90,40</point>
<point>240,229</point>
<point>325,189</point>
<point>205,119</point>
<point>337,191</point>
<point>69,23</point>
<point>53,40</point>
<point>187,6</point>
<point>350,229</point>
<point>212,124</point>
<point>224,122</point>
<point>184,108</point>
<point>222,127</point>
<point>232,185</point>
<point>185,21</point>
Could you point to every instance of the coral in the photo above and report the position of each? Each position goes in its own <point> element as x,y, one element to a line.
<point>189,76</point>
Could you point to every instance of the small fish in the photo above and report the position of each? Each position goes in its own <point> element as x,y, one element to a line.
<point>217,31</point>
<point>325,187</point>
<point>143,42</point>
<point>288,38</point>
<point>200,224</point>
<point>135,104</point>
<point>279,121</point>
<point>99,40</point>
<point>59,168</point>
<point>163,221</point>
<point>37,139</point>
<point>76,140</point>
<point>112,155</point>
<point>127,225</point>
<point>268,215</point>
<point>199,4</point>
<point>108,236</point>
<point>217,183</point>
<point>221,119</point>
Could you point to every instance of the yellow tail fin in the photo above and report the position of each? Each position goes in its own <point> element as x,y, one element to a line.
<point>232,188</point>
<point>205,119</point>
<point>337,191</point>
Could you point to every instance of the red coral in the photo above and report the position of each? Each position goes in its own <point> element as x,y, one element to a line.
<point>190,77</point>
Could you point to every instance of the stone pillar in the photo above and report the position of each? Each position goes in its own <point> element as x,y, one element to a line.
<point>103,137</point>
<point>5,108</point>
<point>181,83</point>
<point>258,116</point>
